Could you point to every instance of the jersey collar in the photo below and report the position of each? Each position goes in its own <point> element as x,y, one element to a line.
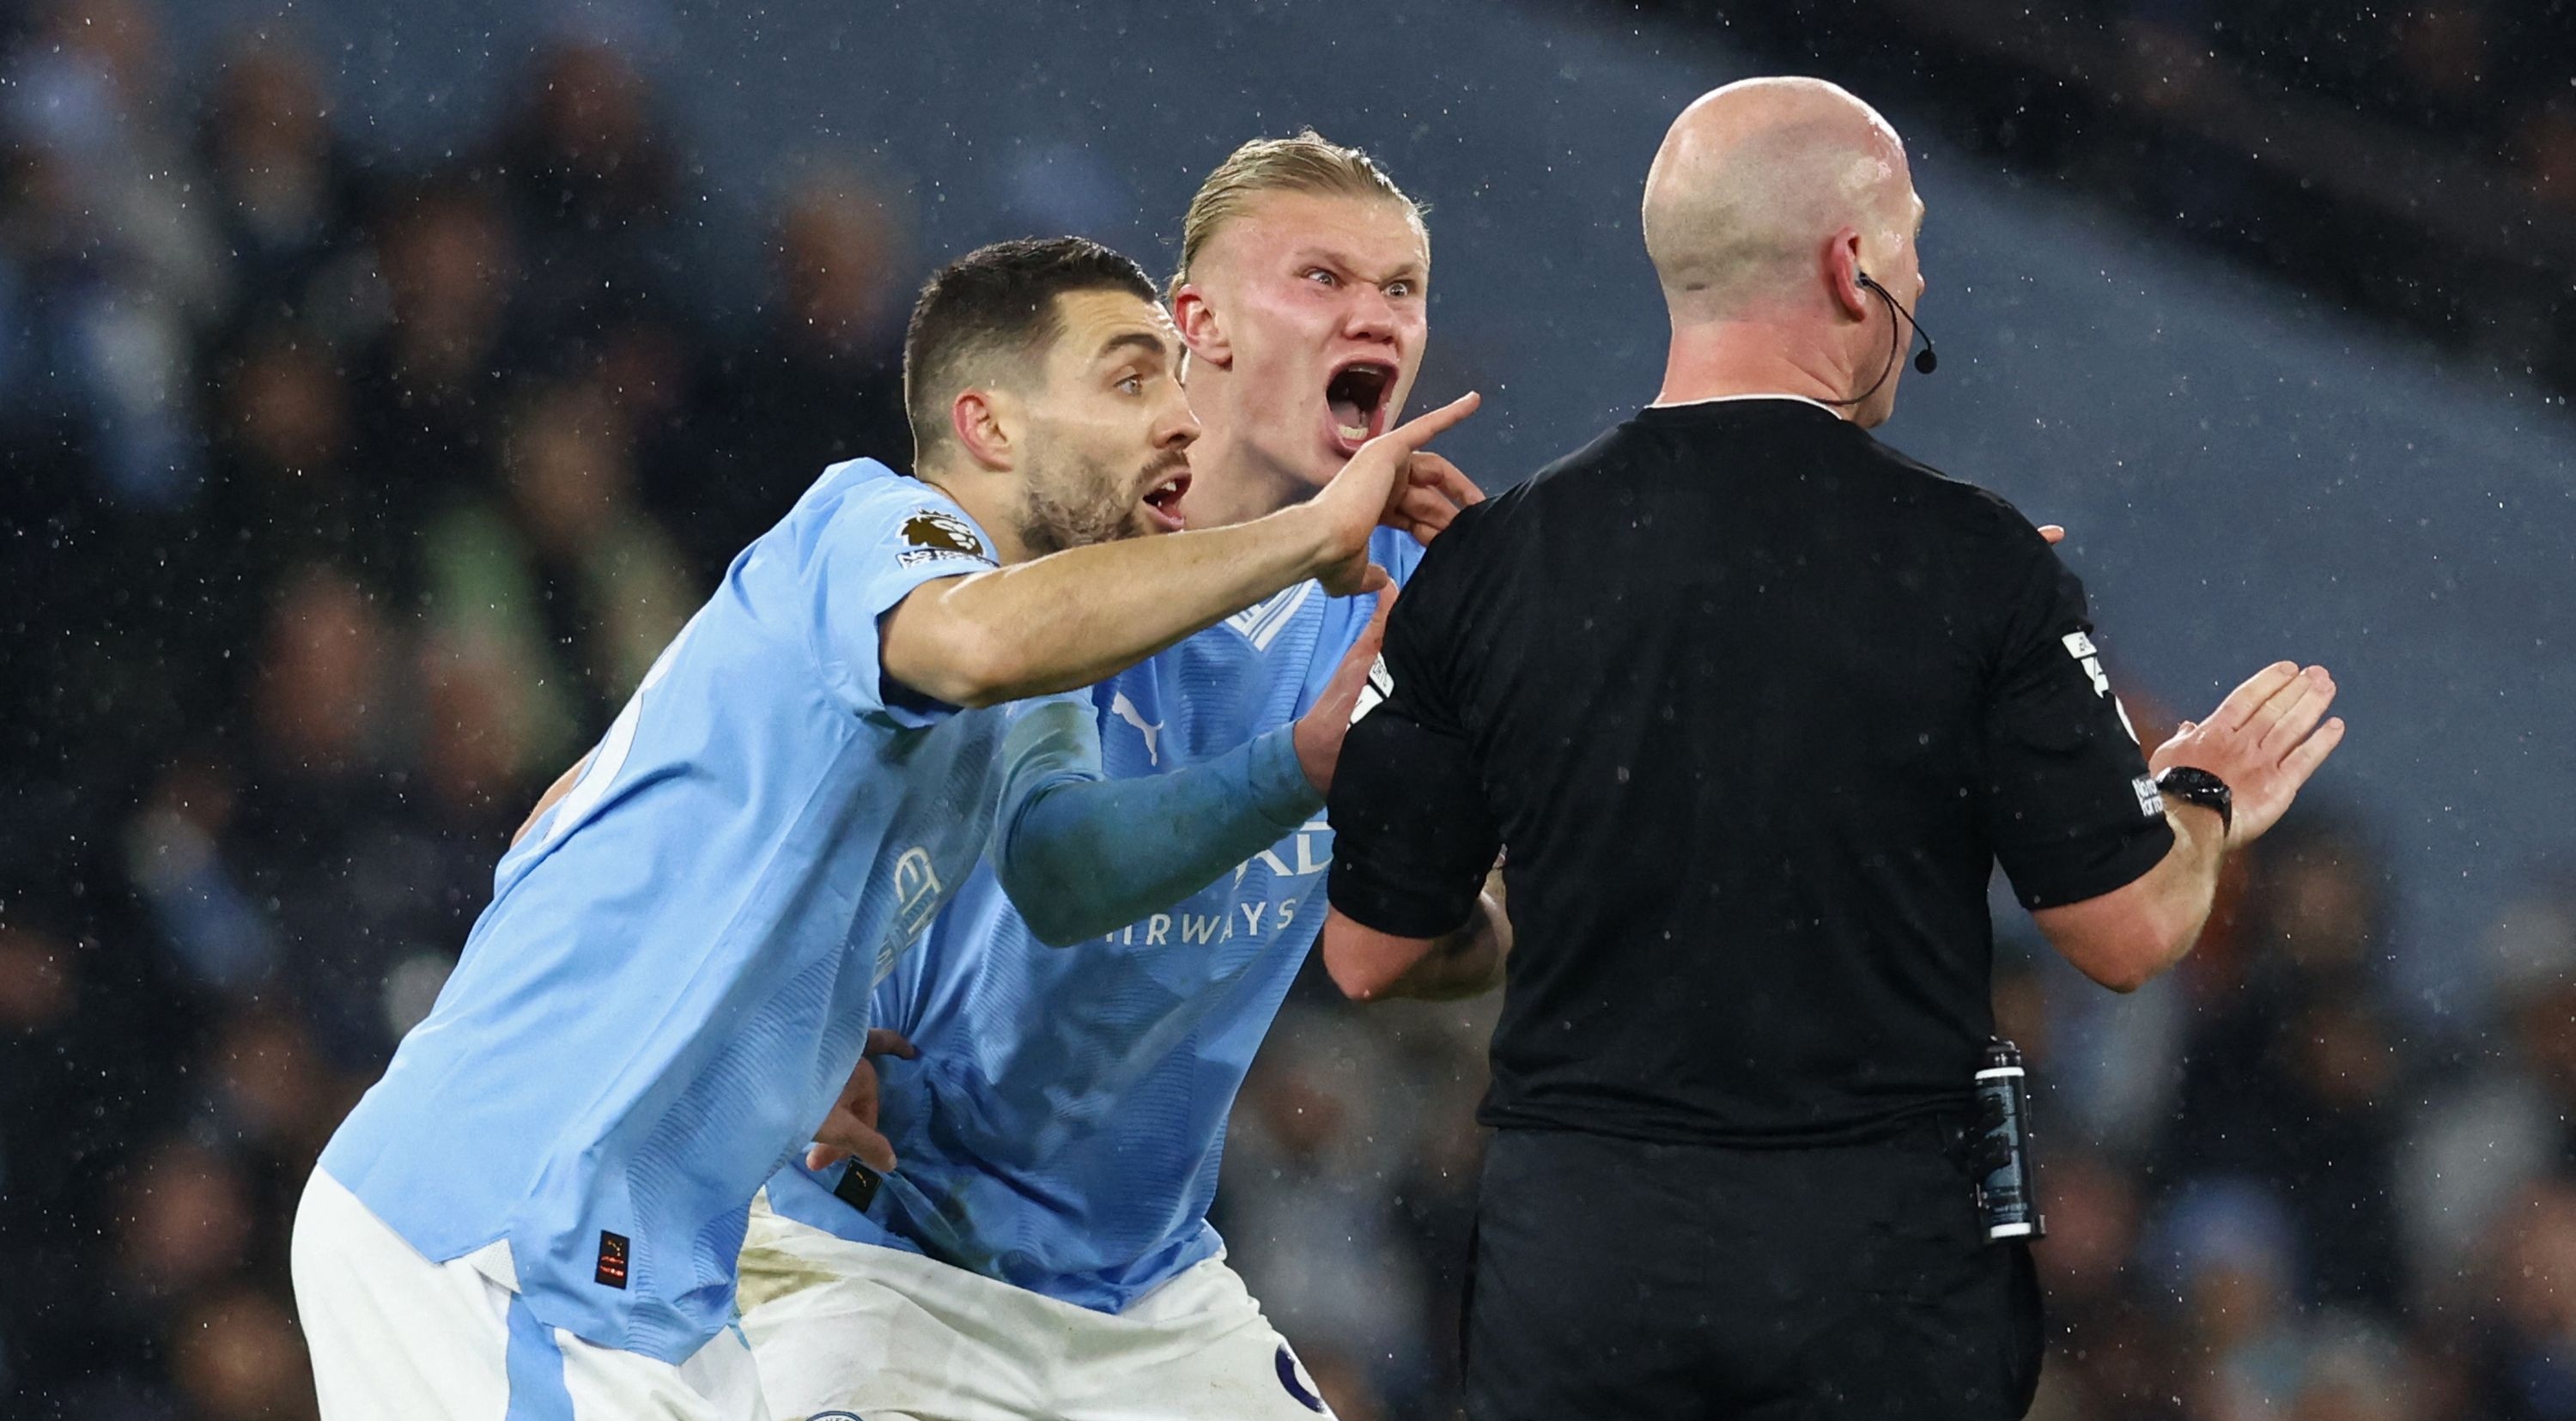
<point>1729,399</point>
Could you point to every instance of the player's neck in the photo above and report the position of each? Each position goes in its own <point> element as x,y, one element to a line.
<point>991,505</point>
<point>1232,481</point>
<point>1716,359</point>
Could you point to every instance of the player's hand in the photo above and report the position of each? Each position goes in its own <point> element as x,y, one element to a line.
<point>1366,490</point>
<point>2264,740</point>
<point>2051,534</point>
<point>850,1131</point>
<point>1433,492</point>
<point>1318,733</point>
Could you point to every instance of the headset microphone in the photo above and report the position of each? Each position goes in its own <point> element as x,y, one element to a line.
<point>1926,361</point>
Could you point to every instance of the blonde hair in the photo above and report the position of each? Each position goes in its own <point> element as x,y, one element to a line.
<point>1304,162</point>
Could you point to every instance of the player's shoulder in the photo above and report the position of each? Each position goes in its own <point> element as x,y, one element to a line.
<point>863,502</point>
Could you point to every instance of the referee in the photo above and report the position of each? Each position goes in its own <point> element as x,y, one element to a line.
<point>1757,703</point>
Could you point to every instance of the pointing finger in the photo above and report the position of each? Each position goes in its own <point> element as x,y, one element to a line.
<point>1422,429</point>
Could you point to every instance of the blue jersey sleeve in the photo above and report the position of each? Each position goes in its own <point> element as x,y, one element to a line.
<point>1081,855</point>
<point>888,536</point>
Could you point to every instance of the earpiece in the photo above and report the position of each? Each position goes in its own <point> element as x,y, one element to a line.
<point>1926,361</point>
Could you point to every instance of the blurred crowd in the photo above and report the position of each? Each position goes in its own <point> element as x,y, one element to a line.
<point>343,504</point>
<point>2414,162</point>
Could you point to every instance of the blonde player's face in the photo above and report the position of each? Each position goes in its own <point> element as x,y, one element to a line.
<point>1321,300</point>
<point>1109,430</point>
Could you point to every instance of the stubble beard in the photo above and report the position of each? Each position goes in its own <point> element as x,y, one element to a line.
<point>1073,506</point>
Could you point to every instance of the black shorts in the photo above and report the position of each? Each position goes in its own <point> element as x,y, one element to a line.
<point>1617,1279</point>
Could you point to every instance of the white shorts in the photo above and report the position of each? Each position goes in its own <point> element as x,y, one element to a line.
<point>396,1337</point>
<point>844,1330</point>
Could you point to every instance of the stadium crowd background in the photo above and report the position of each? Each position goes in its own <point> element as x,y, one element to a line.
<point>345,499</point>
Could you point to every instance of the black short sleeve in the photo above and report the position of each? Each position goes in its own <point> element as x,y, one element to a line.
<point>2072,810</point>
<point>1412,834</point>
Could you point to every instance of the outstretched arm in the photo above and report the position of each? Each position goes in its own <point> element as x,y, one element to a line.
<point>2263,741</point>
<point>1081,856</point>
<point>1071,618</point>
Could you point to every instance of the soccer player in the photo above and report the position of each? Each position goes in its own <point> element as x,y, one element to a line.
<point>537,1212</point>
<point>1043,1248</point>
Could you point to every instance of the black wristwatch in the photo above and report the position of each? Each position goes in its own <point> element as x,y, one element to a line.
<point>2193,785</point>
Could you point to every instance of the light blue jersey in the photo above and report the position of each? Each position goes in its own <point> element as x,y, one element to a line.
<point>672,980</point>
<point>1063,1126</point>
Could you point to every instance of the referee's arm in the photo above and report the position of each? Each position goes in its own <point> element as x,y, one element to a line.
<point>1369,965</point>
<point>2117,879</point>
<point>2263,741</point>
<point>1413,840</point>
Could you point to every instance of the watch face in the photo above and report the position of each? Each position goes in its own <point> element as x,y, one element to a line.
<point>2193,785</point>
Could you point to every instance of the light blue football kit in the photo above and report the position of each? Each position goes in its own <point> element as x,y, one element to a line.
<point>672,980</point>
<point>1063,1126</point>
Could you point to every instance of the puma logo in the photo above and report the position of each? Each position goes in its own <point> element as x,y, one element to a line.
<point>1125,710</point>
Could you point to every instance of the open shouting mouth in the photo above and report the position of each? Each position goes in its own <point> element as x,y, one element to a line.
<point>1163,500</point>
<point>1355,403</point>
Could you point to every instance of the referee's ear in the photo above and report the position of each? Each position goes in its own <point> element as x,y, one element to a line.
<point>1845,273</point>
<point>1196,320</point>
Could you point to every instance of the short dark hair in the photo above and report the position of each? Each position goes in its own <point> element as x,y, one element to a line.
<point>995,300</point>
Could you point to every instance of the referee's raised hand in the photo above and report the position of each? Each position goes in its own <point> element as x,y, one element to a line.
<point>1370,487</point>
<point>2263,740</point>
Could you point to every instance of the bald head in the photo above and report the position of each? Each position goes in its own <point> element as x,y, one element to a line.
<point>1752,181</point>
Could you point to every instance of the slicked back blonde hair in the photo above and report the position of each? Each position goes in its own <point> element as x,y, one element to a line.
<point>1304,162</point>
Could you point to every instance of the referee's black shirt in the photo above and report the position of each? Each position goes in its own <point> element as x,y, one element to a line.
<point>1756,704</point>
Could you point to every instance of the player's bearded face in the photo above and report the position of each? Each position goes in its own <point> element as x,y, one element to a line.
<point>1320,300</point>
<point>1110,431</point>
<point>1074,500</point>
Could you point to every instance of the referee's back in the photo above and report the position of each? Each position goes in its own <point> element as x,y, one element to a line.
<point>1756,702</point>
